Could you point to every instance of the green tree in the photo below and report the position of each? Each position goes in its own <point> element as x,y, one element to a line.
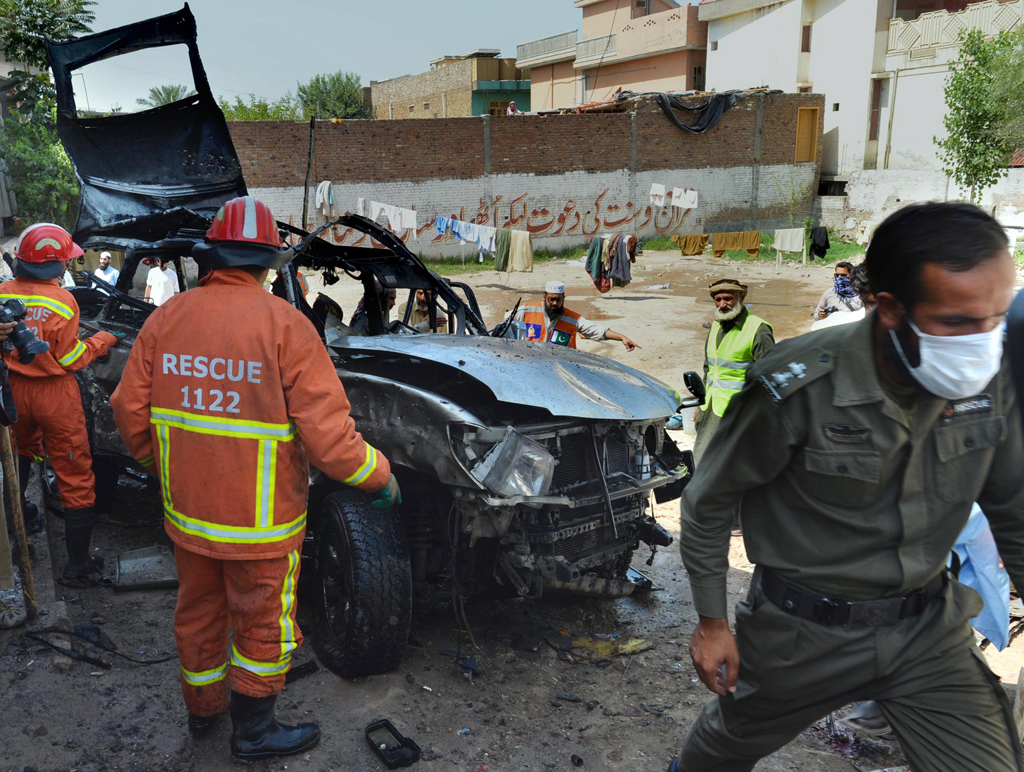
<point>25,23</point>
<point>1008,88</point>
<point>42,178</point>
<point>164,95</point>
<point>335,95</point>
<point>259,109</point>
<point>973,152</point>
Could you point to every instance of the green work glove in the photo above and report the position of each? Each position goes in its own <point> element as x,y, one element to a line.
<point>388,496</point>
<point>120,336</point>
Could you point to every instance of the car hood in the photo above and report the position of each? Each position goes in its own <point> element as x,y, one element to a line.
<point>563,381</point>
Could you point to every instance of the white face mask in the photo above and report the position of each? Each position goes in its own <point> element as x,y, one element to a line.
<point>955,366</point>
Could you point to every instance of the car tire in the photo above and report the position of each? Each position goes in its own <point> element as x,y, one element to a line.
<point>363,587</point>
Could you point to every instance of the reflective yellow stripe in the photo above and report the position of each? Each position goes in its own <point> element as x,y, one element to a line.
<point>222,427</point>
<point>266,482</point>
<point>30,454</point>
<point>206,676</point>
<point>74,354</point>
<point>41,301</point>
<point>288,606</point>
<point>146,461</point>
<point>368,468</point>
<point>162,436</point>
<point>262,669</point>
<point>233,534</point>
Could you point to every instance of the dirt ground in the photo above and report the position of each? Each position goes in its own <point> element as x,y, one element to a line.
<point>623,713</point>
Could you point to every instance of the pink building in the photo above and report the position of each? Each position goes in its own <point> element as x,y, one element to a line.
<point>627,45</point>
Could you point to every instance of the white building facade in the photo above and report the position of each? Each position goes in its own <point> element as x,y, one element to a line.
<point>881,65</point>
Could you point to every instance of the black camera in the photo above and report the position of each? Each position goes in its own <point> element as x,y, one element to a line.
<point>13,311</point>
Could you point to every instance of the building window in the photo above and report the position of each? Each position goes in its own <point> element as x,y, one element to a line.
<point>876,110</point>
<point>641,8</point>
<point>806,135</point>
<point>805,40</point>
<point>835,107</point>
<point>714,45</point>
<point>497,106</point>
<point>411,108</point>
<point>804,89</point>
<point>698,78</point>
<point>426,105</point>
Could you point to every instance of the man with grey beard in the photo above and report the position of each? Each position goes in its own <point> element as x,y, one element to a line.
<point>736,340</point>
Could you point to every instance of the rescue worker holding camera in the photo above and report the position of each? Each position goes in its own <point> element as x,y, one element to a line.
<point>51,418</point>
<point>226,414</point>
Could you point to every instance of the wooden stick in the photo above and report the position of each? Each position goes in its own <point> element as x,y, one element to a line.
<point>12,500</point>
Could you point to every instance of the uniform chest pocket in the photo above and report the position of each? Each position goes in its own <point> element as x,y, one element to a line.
<point>848,478</point>
<point>963,464</point>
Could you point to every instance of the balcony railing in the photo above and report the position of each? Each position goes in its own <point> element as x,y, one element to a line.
<point>553,48</point>
<point>597,49</point>
<point>938,29</point>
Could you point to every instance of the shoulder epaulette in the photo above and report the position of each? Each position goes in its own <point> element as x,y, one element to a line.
<point>781,379</point>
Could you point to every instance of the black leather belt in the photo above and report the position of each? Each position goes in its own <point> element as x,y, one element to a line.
<point>836,612</point>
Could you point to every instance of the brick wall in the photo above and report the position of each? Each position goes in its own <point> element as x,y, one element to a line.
<point>564,178</point>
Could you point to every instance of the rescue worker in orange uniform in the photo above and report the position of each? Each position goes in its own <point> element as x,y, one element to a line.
<point>51,419</point>
<point>556,324</point>
<point>227,392</point>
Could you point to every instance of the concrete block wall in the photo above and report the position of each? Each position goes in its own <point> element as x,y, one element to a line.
<point>563,178</point>
<point>392,98</point>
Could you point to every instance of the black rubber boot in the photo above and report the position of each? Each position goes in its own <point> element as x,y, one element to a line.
<point>257,735</point>
<point>34,519</point>
<point>199,726</point>
<point>82,569</point>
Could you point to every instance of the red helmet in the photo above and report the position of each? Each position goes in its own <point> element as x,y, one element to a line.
<point>42,250</point>
<point>243,232</point>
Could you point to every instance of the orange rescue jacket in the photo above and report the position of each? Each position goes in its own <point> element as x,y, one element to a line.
<point>561,333</point>
<point>53,317</point>
<point>227,391</point>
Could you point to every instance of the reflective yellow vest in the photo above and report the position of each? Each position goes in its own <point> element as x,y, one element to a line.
<point>728,363</point>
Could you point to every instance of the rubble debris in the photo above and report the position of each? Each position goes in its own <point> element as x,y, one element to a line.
<point>145,569</point>
<point>466,661</point>
<point>664,286</point>
<point>301,671</point>
<point>642,581</point>
<point>390,746</point>
<point>577,761</point>
<point>651,710</point>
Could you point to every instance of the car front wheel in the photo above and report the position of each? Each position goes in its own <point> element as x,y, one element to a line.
<point>363,587</point>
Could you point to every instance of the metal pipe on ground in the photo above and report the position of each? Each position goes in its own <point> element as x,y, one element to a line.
<point>12,502</point>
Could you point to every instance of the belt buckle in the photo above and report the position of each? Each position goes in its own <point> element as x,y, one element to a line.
<point>829,611</point>
<point>873,613</point>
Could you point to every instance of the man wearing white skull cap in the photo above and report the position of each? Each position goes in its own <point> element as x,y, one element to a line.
<point>554,323</point>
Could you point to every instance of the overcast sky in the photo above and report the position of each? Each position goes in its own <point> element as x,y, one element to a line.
<point>265,46</point>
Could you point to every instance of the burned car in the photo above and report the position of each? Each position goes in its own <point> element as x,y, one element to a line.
<point>524,467</point>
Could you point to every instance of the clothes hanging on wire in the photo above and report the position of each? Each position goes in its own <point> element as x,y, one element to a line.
<point>658,195</point>
<point>502,244</point>
<point>324,200</point>
<point>819,242</point>
<point>619,269</point>
<point>520,255</point>
<point>684,198</point>
<point>790,239</point>
<point>748,240</point>
<point>467,232</point>
<point>691,244</point>
<point>399,218</point>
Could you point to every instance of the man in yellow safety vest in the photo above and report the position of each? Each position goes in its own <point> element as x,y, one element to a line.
<point>736,340</point>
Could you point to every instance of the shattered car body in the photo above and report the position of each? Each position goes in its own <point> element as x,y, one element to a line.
<point>523,466</point>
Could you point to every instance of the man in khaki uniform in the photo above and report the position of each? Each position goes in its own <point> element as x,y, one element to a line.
<point>856,453</point>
